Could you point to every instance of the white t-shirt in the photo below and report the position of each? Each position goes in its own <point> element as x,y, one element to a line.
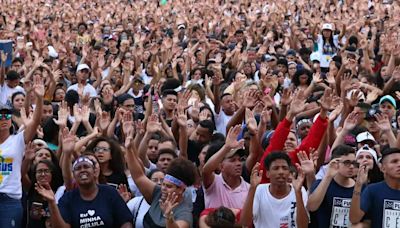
<point>327,51</point>
<point>138,207</point>
<point>87,89</point>
<point>11,153</point>
<point>221,121</point>
<point>271,212</point>
<point>6,93</point>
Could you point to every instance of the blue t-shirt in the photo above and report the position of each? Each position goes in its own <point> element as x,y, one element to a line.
<point>382,205</point>
<point>335,207</point>
<point>107,209</point>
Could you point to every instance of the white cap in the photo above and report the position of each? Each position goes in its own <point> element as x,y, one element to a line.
<point>82,67</point>
<point>327,26</point>
<point>52,52</point>
<point>367,149</point>
<point>365,136</point>
<point>315,56</point>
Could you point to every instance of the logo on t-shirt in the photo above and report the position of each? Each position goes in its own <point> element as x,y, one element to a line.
<point>5,167</point>
<point>340,212</point>
<point>391,214</point>
<point>90,219</point>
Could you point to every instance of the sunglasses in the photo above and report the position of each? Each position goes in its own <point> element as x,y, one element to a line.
<point>5,116</point>
<point>348,163</point>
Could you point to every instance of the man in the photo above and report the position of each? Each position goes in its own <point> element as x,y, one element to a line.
<point>303,127</point>
<point>279,203</point>
<point>380,201</point>
<point>90,204</point>
<point>228,188</point>
<point>201,136</point>
<point>331,196</point>
<point>82,87</point>
<point>169,102</point>
<point>9,86</point>
<point>47,111</point>
<point>387,105</point>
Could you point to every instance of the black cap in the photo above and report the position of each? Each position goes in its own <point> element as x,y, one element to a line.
<point>12,75</point>
<point>389,151</point>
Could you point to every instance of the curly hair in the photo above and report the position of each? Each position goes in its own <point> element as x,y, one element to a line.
<point>117,162</point>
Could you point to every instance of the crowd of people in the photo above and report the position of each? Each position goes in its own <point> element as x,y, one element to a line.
<point>212,113</point>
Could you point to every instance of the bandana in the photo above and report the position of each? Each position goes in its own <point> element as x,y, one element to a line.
<point>81,160</point>
<point>174,180</point>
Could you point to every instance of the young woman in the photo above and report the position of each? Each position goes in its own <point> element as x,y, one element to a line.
<point>109,154</point>
<point>17,100</point>
<point>138,206</point>
<point>12,149</point>
<point>169,207</point>
<point>366,156</point>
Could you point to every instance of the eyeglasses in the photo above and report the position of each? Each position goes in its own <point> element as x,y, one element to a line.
<point>101,149</point>
<point>43,171</point>
<point>5,116</point>
<point>347,163</point>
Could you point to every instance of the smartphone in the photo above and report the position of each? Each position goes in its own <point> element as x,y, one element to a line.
<point>36,210</point>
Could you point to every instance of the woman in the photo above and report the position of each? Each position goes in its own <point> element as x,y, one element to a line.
<point>328,46</point>
<point>88,205</point>
<point>302,79</point>
<point>169,207</point>
<point>366,156</point>
<point>138,206</point>
<point>12,149</point>
<point>38,211</point>
<point>221,217</point>
<point>17,100</point>
<point>109,154</point>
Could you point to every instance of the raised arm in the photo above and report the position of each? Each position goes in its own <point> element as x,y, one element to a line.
<point>246,216</point>
<point>213,163</point>
<point>30,130</point>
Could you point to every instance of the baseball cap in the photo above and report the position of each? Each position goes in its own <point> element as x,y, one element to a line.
<point>364,136</point>
<point>4,108</point>
<point>138,79</point>
<point>315,56</point>
<point>388,98</point>
<point>291,52</point>
<point>12,75</point>
<point>327,26</point>
<point>82,67</point>
<point>240,151</point>
<point>367,149</point>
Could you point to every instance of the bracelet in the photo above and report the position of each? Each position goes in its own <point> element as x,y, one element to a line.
<point>356,193</point>
<point>169,216</point>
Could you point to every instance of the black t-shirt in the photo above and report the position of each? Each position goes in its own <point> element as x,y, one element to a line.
<point>115,179</point>
<point>107,209</point>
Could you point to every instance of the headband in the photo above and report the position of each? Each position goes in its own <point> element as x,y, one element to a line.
<point>81,160</point>
<point>174,181</point>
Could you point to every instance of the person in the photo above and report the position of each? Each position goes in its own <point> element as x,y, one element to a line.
<point>9,86</point>
<point>228,188</point>
<point>278,203</point>
<point>169,207</point>
<point>82,87</point>
<point>330,197</point>
<point>378,202</point>
<point>138,205</point>
<point>219,217</point>
<point>368,157</point>
<point>12,148</point>
<point>88,205</point>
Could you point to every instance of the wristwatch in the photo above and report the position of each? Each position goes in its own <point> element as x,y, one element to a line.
<point>169,216</point>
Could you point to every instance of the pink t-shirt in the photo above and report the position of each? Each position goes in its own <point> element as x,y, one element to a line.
<point>220,194</point>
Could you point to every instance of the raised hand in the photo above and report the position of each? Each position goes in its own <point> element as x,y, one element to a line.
<point>45,191</point>
<point>354,98</point>
<point>298,103</point>
<point>127,123</point>
<point>38,87</point>
<point>256,175</point>
<point>251,122</point>
<point>153,124</point>
<point>286,97</point>
<point>326,100</point>
<point>30,150</point>
<point>299,180</point>
<point>231,139</point>
<point>336,112</point>
<point>333,167</point>
<point>383,122</point>
<point>351,121</point>
<point>250,99</point>
<point>181,117</point>
<point>68,141</point>
<point>266,115</point>
<point>104,121</point>
<point>62,115</point>
<point>306,164</point>
<point>124,193</point>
